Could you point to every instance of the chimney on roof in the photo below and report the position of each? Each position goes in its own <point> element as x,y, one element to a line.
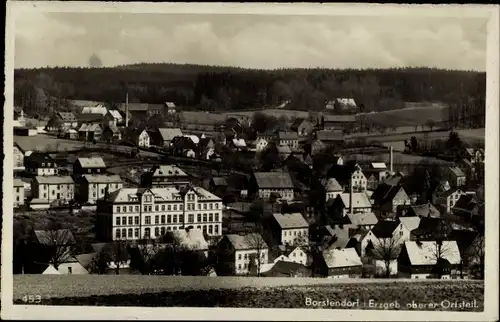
<point>390,160</point>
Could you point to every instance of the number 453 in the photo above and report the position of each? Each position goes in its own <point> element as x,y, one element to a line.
<point>32,299</point>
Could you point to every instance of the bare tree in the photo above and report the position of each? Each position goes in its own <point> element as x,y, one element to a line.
<point>143,254</point>
<point>257,259</point>
<point>386,250</point>
<point>57,244</point>
<point>113,254</point>
<point>430,124</point>
<point>475,255</point>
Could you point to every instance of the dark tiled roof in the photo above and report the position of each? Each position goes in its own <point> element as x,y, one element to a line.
<point>466,202</point>
<point>269,180</point>
<point>385,228</point>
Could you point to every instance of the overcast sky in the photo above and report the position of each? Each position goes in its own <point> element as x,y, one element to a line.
<point>254,41</point>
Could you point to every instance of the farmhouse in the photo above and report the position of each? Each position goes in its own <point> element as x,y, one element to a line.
<point>111,133</point>
<point>341,205</point>
<point>97,109</point>
<point>384,234</point>
<point>242,254</point>
<point>137,213</point>
<point>262,184</point>
<point>376,173</point>
<point>338,263</point>
<point>143,110</point>
<point>62,120</point>
<point>290,229</point>
<point>114,117</point>
<point>336,122</point>
<point>301,126</point>
<point>330,137</point>
<point>164,136</point>
<point>332,188</point>
<point>341,104</point>
<point>90,165</point>
<point>191,239</point>
<point>428,260</point>
<point>90,132</point>
<point>40,164</point>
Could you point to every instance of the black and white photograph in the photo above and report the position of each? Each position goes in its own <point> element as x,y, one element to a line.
<point>169,157</point>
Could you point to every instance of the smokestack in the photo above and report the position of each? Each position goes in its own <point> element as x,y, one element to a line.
<point>126,109</point>
<point>351,206</point>
<point>390,160</point>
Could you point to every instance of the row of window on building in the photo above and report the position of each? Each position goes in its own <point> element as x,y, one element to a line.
<point>298,233</point>
<point>175,207</point>
<point>133,233</point>
<point>167,219</point>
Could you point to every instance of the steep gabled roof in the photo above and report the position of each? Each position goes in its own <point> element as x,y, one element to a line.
<point>336,258</point>
<point>364,218</point>
<point>290,221</point>
<point>270,180</point>
<point>385,228</point>
<point>247,241</point>
<point>425,252</point>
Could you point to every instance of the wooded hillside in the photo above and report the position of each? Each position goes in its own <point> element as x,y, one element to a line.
<point>228,88</point>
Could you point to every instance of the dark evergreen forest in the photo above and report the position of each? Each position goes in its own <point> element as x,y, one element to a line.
<point>216,88</point>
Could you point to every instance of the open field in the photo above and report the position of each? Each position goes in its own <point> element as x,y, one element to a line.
<point>240,291</point>
<point>408,117</point>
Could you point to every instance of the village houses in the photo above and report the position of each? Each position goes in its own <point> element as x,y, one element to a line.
<point>139,138</point>
<point>290,229</point>
<point>53,188</point>
<point>18,192</point>
<point>332,188</point>
<point>162,137</point>
<point>302,127</point>
<point>62,120</point>
<point>242,252</point>
<point>40,164</point>
<point>90,132</point>
<point>18,157</point>
<point>264,184</point>
<point>349,175</point>
<point>456,177</point>
<point>341,205</point>
<point>289,138</point>
<point>337,263</point>
<point>137,213</point>
<point>163,176</point>
<point>89,165</point>
<point>425,259</point>
<point>91,187</point>
<point>446,200</point>
<point>114,117</point>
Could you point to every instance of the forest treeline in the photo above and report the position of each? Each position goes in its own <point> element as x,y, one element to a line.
<point>216,88</point>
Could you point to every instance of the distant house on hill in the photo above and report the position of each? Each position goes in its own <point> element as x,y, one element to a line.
<point>336,122</point>
<point>98,109</point>
<point>143,110</point>
<point>330,137</point>
<point>302,126</point>
<point>62,120</point>
<point>163,136</point>
<point>342,104</point>
<point>137,137</point>
<point>171,108</point>
<point>89,132</point>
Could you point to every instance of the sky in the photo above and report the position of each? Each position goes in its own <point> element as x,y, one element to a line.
<point>251,41</point>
